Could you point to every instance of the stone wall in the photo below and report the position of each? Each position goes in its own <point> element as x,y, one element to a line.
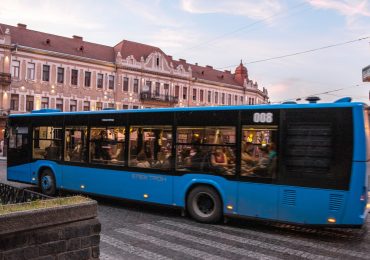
<point>61,232</point>
<point>76,240</point>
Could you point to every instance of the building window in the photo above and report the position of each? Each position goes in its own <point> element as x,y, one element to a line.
<point>184,93</point>
<point>44,102</point>
<point>86,106</point>
<point>223,98</point>
<point>124,106</point>
<point>201,94</point>
<point>136,86</point>
<point>147,87</point>
<point>135,107</point>
<point>31,71</point>
<point>73,105</point>
<point>125,84</point>
<point>241,100</point>
<point>157,88</point>
<point>74,77</point>
<point>45,72</point>
<point>216,97</point>
<point>110,105</point>
<point>14,102</point>
<point>87,78</point>
<point>99,83</point>
<point>166,88</point>
<point>194,94</point>
<point>236,99</point>
<point>157,62</point>
<point>29,103</point>
<point>60,75</point>
<point>209,96</point>
<point>111,82</point>
<point>59,104</point>
<point>229,99</point>
<point>99,106</point>
<point>16,68</point>
<point>177,91</point>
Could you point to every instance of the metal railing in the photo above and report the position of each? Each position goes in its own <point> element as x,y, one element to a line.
<point>11,195</point>
<point>148,96</point>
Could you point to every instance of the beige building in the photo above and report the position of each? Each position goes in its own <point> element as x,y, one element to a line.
<point>40,70</point>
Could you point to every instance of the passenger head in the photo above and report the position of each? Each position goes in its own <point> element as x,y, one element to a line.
<point>141,156</point>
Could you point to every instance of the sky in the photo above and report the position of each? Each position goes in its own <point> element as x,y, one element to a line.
<point>223,32</point>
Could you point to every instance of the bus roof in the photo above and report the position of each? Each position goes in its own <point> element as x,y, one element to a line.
<point>54,112</point>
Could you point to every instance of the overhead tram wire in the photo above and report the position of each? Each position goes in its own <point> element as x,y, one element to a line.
<point>240,28</point>
<point>316,94</point>
<point>299,53</point>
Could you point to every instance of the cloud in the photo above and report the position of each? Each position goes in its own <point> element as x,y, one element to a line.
<point>70,14</point>
<point>345,7</point>
<point>251,9</point>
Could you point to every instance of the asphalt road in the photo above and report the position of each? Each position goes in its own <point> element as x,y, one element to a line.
<point>138,231</point>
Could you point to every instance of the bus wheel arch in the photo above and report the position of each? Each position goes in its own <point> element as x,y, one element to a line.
<point>204,203</point>
<point>47,182</point>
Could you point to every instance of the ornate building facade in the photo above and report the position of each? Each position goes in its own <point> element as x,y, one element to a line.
<point>41,70</point>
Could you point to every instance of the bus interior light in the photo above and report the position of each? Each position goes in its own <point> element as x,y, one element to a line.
<point>82,186</point>
<point>146,196</point>
<point>229,207</point>
<point>332,220</point>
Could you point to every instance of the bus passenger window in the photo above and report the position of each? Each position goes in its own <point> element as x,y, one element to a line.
<point>47,143</point>
<point>150,147</point>
<point>107,145</point>
<point>206,149</point>
<point>75,144</point>
<point>258,152</point>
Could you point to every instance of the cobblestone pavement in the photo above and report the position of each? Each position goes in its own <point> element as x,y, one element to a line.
<point>138,231</point>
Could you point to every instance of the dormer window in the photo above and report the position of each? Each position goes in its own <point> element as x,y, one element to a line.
<point>81,48</point>
<point>47,41</point>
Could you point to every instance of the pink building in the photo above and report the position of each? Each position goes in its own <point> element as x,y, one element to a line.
<point>41,70</point>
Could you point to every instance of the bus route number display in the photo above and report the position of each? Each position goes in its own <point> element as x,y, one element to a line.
<point>263,117</point>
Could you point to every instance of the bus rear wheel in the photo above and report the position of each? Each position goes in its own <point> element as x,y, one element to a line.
<point>204,204</point>
<point>47,182</point>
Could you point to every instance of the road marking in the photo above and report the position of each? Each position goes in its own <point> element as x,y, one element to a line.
<point>163,243</point>
<point>221,246</point>
<point>131,249</point>
<point>322,245</point>
<point>243,240</point>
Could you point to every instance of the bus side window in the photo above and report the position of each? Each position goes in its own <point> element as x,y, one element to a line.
<point>75,144</point>
<point>258,152</point>
<point>47,143</point>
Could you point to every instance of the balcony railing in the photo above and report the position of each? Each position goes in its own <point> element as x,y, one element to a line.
<point>148,96</point>
<point>5,79</point>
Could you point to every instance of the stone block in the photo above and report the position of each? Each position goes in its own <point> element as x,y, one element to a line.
<point>52,248</point>
<point>95,252</point>
<point>96,228</point>
<point>48,235</point>
<point>77,231</point>
<point>15,240</point>
<point>16,254</point>
<point>81,254</point>
<point>31,252</point>
<point>73,244</point>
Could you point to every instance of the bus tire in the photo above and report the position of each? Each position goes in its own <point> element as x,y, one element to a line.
<point>204,204</point>
<point>47,182</point>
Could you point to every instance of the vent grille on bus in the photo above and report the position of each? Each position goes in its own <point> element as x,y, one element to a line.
<point>335,202</point>
<point>289,197</point>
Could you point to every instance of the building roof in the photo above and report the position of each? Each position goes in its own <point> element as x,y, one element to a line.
<point>76,46</point>
<point>72,46</point>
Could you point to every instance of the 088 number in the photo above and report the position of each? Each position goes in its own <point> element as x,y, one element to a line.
<point>263,118</point>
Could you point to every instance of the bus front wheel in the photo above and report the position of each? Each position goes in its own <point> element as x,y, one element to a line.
<point>47,182</point>
<point>204,204</point>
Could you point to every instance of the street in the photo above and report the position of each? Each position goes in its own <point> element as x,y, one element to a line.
<point>138,231</point>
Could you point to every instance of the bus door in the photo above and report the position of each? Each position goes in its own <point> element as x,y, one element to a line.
<point>18,154</point>
<point>257,193</point>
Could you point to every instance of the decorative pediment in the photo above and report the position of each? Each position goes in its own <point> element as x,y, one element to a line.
<point>157,61</point>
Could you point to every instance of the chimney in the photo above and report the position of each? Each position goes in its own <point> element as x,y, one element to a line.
<point>209,67</point>
<point>22,26</point>
<point>170,57</point>
<point>196,64</point>
<point>227,71</point>
<point>79,38</point>
<point>182,60</point>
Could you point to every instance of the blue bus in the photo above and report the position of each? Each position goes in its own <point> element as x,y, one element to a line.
<point>295,163</point>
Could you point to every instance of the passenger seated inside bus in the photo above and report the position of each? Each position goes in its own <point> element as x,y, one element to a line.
<point>142,160</point>
<point>266,165</point>
<point>52,152</point>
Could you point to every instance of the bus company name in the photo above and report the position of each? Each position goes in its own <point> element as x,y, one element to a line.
<point>145,177</point>
<point>107,120</point>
